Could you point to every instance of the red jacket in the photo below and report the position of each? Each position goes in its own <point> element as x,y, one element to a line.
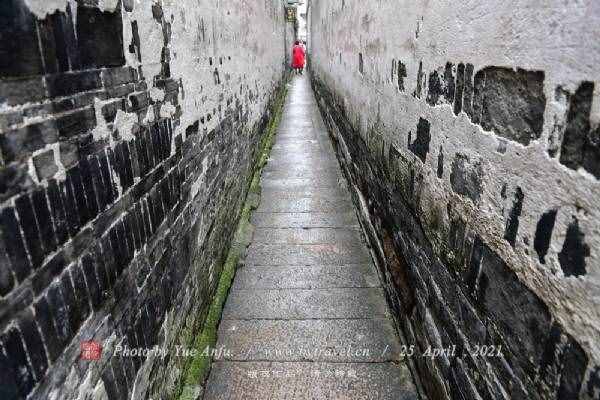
<point>298,56</point>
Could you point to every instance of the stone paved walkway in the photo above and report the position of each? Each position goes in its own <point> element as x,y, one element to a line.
<point>306,317</point>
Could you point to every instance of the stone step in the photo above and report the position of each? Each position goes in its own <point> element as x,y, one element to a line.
<point>309,381</point>
<point>305,220</point>
<point>306,236</point>
<point>308,254</point>
<point>353,303</point>
<point>305,205</point>
<point>354,340</point>
<point>326,181</point>
<point>270,195</point>
<point>306,277</point>
<point>303,171</point>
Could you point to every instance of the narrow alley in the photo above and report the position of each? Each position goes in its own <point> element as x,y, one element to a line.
<point>307,317</point>
<point>299,199</point>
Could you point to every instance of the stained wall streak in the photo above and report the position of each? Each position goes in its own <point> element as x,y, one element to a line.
<point>128,134</point>
<point>498,231</point>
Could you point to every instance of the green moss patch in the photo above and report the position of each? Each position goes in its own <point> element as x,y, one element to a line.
<point>198,368</point>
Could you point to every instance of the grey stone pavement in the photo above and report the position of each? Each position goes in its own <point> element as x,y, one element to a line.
<point>306,317</point>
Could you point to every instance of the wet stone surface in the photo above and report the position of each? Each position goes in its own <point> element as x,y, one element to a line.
<point>306,317</point>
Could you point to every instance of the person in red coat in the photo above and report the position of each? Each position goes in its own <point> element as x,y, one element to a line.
<point>298,57</point>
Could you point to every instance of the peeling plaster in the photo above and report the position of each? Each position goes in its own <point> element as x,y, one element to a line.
<point>43,8</point>
<point>125,123</point>
<point>101,131</point>
<point>471,32</point>
<point>167,110</point>
<point>108,5</point>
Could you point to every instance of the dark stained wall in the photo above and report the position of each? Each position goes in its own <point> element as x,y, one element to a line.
<point>469,133</point>
<point>128,133</point>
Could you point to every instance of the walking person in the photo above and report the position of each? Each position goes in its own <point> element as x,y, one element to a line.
<point>298,57</point>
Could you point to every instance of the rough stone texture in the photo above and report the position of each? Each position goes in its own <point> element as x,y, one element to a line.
<point>581,143</point>
<point>307,317</point>
<point>495,243</point>
<point>511,103</point>
<point>128,133</point>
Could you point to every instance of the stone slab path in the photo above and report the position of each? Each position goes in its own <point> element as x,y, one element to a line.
<point>306,317</point>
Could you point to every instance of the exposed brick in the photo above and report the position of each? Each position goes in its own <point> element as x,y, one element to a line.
<point>15,92</point>
<point>151,213</point>
<point>7,280</point>
<point>516,310</point>
<point>127,165</point>
<point>119,376</point>
<point>88,185</point>
<point>76,183</point>
<point>88,265</point>
<point>33,343</point>
<point>468,90</point>
<point>110,109</point>
<point>60,313</point>
<point>20,143</point>
<point>76,122</point>
<point>109,261</point>
<point>449,83</point>
<point>509,102</point>
<point>88,226</point>
<point>71,212</point>
<point>142,153</point>
<point>14,179</point>
<point>460,85</point>
<point>135,166</point>
<point>512,225</point>
<point>110,384</point>
<point>139,100</point>
<point>19,47</point>
<point>98,184</point>
<point>129,234</point>
<point>9,388</point>
<point>29,226</point>
<point>42,214</point>
<point>43,318</point>
<point>118,76</point>
<point>45,165</point>
<point>421,144</point>
<point>120,258</point>
<point>466,177</point>
<point>102,273</point>
<point>100,36</point>
<point>574,251</point>
<point>124,241</point>
<point>434,88</point>
<point>581,144</point>
<point>58,212</point>
<point>42,278</point>
<point>156,197</point>
<point>11,342</point>
<point>109,186</point>
<point>166,194</point>
<point>15,245</point>
<point>70,83</point>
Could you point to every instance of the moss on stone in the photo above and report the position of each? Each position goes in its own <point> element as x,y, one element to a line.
<point>197,370</point>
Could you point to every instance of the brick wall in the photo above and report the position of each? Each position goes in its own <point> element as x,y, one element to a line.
<point>128,132</point>
<point>469,132</point>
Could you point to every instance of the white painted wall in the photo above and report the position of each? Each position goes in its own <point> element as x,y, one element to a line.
<point>560,38</point>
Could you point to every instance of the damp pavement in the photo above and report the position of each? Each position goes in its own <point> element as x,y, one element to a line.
<point>306,317</point>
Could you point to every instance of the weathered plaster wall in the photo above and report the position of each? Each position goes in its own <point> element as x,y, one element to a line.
<point>471,133</point>
<point>128,132</point>
<point>290,37</point>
